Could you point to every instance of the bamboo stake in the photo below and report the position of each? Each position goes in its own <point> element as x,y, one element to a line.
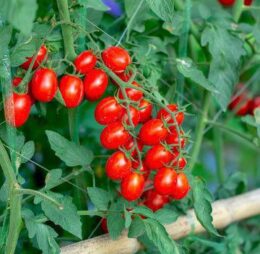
<point>225,212</point>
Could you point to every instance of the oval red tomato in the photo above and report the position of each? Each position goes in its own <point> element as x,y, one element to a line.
<point>132,94</point>
<point>72,91</point>
<point>16,81</point>
<point>182,187</point>
<point>104,225</point>
<point>95,84</point>
<point>123,76</point>
<point>154,200</point>
<point>173,139</point>
<point>114,135</point>
<point>132,186</point>
<point>129,146</point>
<point>248,2</point>
<point>255,103</point>
<point>85,61</point>
<point>227,2</point>
<point>179,116</point>
<point>145,110</point>
<point>134,116</point>
<point>44,85</point>
<point>143,169</point>
<point>180,163</point>
<point>118,166</point>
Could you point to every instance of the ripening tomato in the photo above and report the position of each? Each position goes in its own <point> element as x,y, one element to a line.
<point>163,114</point>
<point>143,169</point>
<point>134,115</point>
<point>255,103</point>
<point>116,59</point>
<point>154,200</point>
<point>104,225</point>
<point>180,163</point>
<point>158,156</point>
<point>17,81</point>
<point>118,166</point>
<point>132,94</point>
<point>95,84</point>
<point>132,186</point>
<point>181,188</point>
<point>153,132</point>
<point>39,59</point>
<point>173,138</point>
<point>85,62</point>
<point>145,110</point>
<point>129,146</point>
<point>227,2</point>
<point>165,180</point>
<point>44,85</point>
<point>114,135</point>
<point>17,109</point>
<point>72,90</point>
<point>108,110</point>
<point>248,2</point>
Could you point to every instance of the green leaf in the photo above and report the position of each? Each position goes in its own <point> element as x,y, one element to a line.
<point>67,218</point>
<point>159,236</point>
<point>136,228</point>
<point>128,218</point>
<point>27,151</point>
<point>166,216</point>
<point>202,205</point>
<point>43,234</point>
<point>69,152</point>
<point>4,192</point>
<point>94,4</point>
<point>52,178</point>
<point>143,210</point>
<point>99,197</point>
<point>188,69</point>
<point>257,120</point>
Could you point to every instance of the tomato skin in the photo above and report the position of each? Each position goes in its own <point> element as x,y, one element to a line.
<point>85,62</point>
<point>134,114</point>
<point>240,105</point>
<point>17,109</point>
<point>123,76</point>
<point>157,157</point>
<point>118,166</point>
<point>108,110</point>
<point>173,139</point>
<point>116,59</point>
<point>129,145</point>
<point>132,94</point>
<point>255,103</point>
<point>227,2</point>
<point>114,135</point>
<point>163,114</point>
<point>248,2</point>
<point>72,91</point>
<point>145,111</point>
<point>16,81</point>
<point>44,85</point>
<point>104,225</point>
<point>39,58</point>
<point>153,132</point>
<point>165,180</point>
<point>181,188</point>
<point>180,163</point>
<point>95,84</point>
<point>143,169</point>
<point>132,186</point>
<point>154,200</point>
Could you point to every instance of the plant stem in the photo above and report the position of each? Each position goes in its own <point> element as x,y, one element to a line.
<point>199,131</point>
<point>238,9</point>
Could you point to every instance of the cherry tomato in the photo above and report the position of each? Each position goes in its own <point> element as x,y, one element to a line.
<point>181,188</point>
<point>132,186</point>
<point>39,59</point>
<point>72,90</point>
<point>143,169</point>
<point>118,166</point>
<point>85,61</point>
<point>248,2</point>
<point>180,163</point>
<point>163,114</point>
<point>123,76</point>
<point>173,139</point>
<point>240,104</point>
<point>255,103</point>
<point>44,84</point>
<point>134,114</point>
<point>158,156</point>
<point>153,132</point>
<point>108,110</point>
<point>95,84</point>
<point>116,59</point>
<point>145,110</point>
<point>165,180</point>
<point>154,200</point>
<point>17,81</point>
<point>129,146</point>
<point>114,135</point>
<point>104,225</point>
<point>227,2</point>
<point>17,109</point>
<point>132,94</point>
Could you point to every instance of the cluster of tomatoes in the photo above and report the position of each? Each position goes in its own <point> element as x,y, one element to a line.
<point>232,2</point>
<point>242,103</point>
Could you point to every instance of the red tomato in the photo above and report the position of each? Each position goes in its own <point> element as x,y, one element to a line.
<point>17,109</point>
<point>114,135</point>
<point>108,110</point>
<point>17,81</point>
<point>116,59</point>
<point>153,132</point>
<point>132,186</point>
<point>240,104</point>
<point>154,200</point>
<point>227,2</point>
<point>123,76</point>
<point>132,94</point>
<point>39,59</point>
<point>163,114</point>
<point>44,84</point>
<point>248,2</point>
<point>173,139</point>
<point>181,163</point>
<point>165,180</point>
<point>85,61</point>
<point>134,114</point>
<point>255,103</point>
<point>95,84</point>
<point>118,166</point>
<point>158,156</point>
<point>104,225</point>
<point>72,90</point>
<point>129,146</point>
<point>142,169</point>
<point>182,187</point>
<point>146,109</point>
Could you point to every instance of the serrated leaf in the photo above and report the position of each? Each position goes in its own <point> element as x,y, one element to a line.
<point>143,210</point>
<point>99,197</point>
<point>94,4</point>
<point>69,152</point>
<point>202,205</point>
<point>166,216</point>
<point>136,228</point>
<point>52,178</point>
<point>27,151</point>
<point>159,236</point>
